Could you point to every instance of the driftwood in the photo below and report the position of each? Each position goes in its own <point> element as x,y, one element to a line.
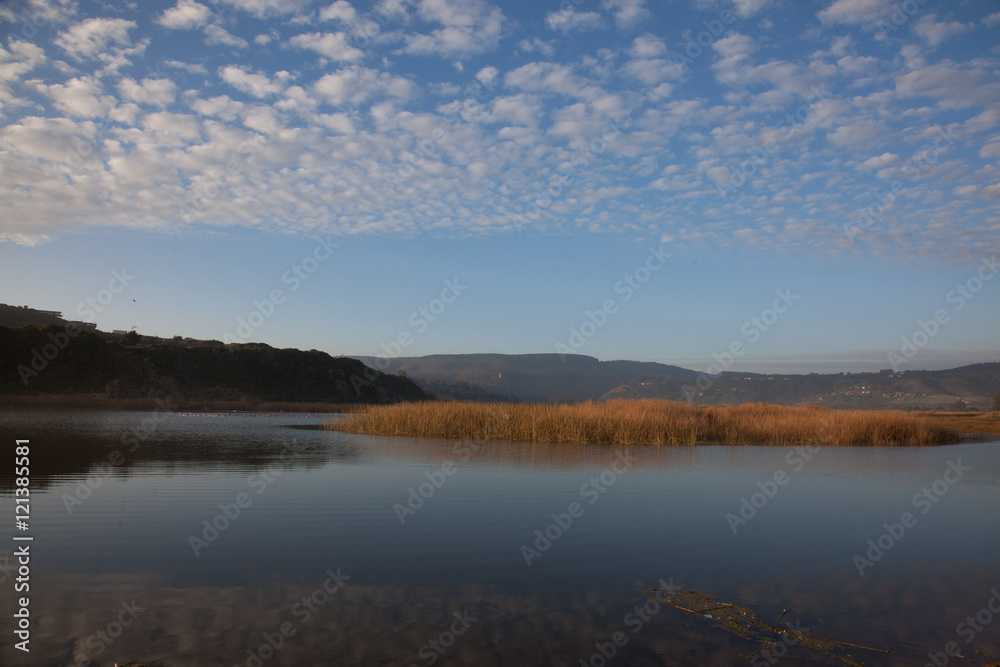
<point>743,622</point>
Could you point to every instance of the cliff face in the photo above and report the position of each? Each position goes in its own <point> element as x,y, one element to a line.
<point>54,359</point>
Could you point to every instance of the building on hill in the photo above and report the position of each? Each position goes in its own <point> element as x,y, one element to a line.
<point>53,313</point>
<point>85,325</point>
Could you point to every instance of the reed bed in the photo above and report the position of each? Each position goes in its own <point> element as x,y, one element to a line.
<point>651,422</point>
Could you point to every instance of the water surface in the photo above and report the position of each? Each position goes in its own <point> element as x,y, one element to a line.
<point>381,551</point>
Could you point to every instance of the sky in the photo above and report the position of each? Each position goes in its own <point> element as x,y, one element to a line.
<point>770,185</point>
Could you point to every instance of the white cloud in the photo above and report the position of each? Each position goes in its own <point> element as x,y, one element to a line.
<point>747,8</point>
<point>92,36</point>
<point>992,19</point>
<point>354,85</point>
<point>545,77</point>
<point>339,11</point>
<point>470,27</point>
<point>627,13</point>
<point>156,92</point>
<point>878,161</point>
<point>338,122</point>
<point>19,60</point>
<point>52,11</point>
<point>332,45</point>
<point>934,32</point>
<point>534,45</point>
<point>569,20</point>
<point>253,83</point>
<point>186,14</point>
<point>487,74</point>
<point>855,12</point>
<point>954,87</point>
<point>218,36</point>
<point>269,8</point>
<point>193,68</point>
<point>81,97</point>
<point>647,46</point>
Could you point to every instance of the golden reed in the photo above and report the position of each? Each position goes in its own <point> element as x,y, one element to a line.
<point>653,422</point>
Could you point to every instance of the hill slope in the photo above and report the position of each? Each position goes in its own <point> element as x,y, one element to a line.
<point>47,359</point>
<point>531,377</point>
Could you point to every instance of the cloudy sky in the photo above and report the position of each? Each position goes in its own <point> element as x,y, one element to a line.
<point>816,180</point>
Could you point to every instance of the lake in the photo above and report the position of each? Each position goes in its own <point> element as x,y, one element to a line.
<point>251,540</point>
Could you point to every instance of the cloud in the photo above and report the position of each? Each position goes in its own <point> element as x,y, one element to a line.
<point>355,85</point>
<point>470,27</point>
<point>954,86</point>
<point>332,45</point>
<point>544,77</point>
<point>878,161</point>
<point>92,36</point>
<point>855,12</point>
<point>156,92</point>
<point>269,8</point>
<point>81,97</point>
<point>627,13</point>
<point>934,32</point>
<point>218,36</point>
<point>253,83</point>
<point>569,20</point>
<point>52,11</point>
<point>339,11</point>
<point>747,8</point>
<point>186,14</point>
<point>534,45</point>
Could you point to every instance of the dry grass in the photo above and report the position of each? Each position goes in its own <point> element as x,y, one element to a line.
<point>653,422</point>
<point>966,422</point>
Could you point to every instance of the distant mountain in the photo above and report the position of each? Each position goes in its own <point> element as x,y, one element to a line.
<point>546,377</point>
<point>971,386</point>
<point>532,377</point>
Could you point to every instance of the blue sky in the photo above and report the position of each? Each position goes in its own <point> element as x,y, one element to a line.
<point>619,178</point>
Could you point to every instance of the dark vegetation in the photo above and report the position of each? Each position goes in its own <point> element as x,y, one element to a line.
<point>91,364</point>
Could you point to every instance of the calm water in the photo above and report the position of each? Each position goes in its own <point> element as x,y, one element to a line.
<point>335,561</point>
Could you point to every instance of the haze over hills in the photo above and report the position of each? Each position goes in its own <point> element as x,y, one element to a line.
<point>552,377</point>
